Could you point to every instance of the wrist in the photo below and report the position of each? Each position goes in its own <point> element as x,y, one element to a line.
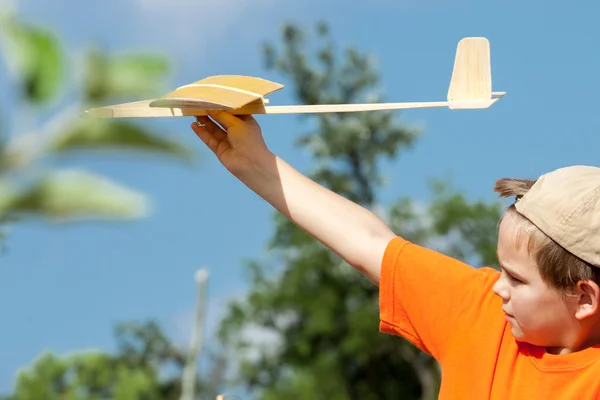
<point>260,168</point>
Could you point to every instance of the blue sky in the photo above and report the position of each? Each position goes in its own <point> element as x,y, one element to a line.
<point>63,287</point>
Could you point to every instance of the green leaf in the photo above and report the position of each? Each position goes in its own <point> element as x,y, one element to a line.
<point>7,196</point>
<point>44,379</point>
<point>35,58</point>
<point>116,135</point>
<point>130,75</point>
<point>76,195</point>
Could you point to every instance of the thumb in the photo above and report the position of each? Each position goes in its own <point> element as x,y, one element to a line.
<point>240,129</point>
<point>225,119</point>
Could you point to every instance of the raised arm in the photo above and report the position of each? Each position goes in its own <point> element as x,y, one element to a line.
<point>353,232</point>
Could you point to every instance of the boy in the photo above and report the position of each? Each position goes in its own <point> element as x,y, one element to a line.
<point>531,331</point>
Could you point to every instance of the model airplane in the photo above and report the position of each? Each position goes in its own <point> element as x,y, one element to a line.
<point>470,88</point>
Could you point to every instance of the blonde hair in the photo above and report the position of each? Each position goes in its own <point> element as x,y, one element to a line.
<point>557,266</point>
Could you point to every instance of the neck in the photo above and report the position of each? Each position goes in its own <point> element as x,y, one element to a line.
<point>560,350</point>
<point>585,339</point>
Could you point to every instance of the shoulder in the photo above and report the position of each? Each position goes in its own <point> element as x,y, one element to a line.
<point>430,297</point>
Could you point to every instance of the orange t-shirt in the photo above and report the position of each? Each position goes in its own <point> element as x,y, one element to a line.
<point>448,309</point>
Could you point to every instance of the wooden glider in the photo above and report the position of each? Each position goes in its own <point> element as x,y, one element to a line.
<point>470,88</point>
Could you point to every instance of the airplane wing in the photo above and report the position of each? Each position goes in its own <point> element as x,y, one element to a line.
<point>219,92</point>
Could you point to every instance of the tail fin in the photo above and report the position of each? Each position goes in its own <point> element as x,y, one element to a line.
<point>472,74</point>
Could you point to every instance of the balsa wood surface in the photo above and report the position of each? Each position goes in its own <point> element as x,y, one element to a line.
<point>142,109</point>
<point>219,92</point>
<point>249,83</point>
<point>471,76</point>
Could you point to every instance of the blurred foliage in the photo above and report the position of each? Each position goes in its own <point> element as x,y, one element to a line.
<point>145,366</point>
<point>34,56</point>
<point>43,78</point>
<point>317,318</point>
<point>127,75</point>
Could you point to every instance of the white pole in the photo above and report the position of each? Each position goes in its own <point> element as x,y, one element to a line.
<point>189,372</point>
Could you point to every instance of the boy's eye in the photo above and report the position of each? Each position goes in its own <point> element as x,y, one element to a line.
<point>511,277</point>
<point>515,280</point>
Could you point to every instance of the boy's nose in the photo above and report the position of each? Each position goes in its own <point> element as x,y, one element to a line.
<point>500,289</point>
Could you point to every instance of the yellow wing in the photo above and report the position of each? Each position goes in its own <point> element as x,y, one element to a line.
<point>219,92</point>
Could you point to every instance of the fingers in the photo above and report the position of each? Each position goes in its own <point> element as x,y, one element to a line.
<point>220,139</point>
<point>249,119</point>
<point>225,119</point>
<point>207,137</point>
<point>213,128</point>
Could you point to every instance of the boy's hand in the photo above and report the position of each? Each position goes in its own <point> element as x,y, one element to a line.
<point>238,143</point>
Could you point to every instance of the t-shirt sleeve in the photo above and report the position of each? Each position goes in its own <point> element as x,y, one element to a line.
<point>430,298</point>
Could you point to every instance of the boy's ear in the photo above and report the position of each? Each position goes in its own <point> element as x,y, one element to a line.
<point>588,293</point>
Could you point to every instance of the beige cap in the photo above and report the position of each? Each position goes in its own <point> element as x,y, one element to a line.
<point>565,205</point>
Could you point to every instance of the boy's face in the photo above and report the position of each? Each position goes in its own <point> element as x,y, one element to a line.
<point>539,315</point>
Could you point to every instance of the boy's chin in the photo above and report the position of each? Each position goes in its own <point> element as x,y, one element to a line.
<point>515,330</point>
<point>519,336</point>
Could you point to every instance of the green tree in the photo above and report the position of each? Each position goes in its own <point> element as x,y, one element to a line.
<point>146,366</point>
<point>322,315</point>
<point>45,82</point>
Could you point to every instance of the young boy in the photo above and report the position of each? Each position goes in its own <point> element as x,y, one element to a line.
<point>531,331</point>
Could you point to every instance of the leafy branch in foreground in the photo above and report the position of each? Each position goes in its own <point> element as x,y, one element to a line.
<point>31,185</point>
